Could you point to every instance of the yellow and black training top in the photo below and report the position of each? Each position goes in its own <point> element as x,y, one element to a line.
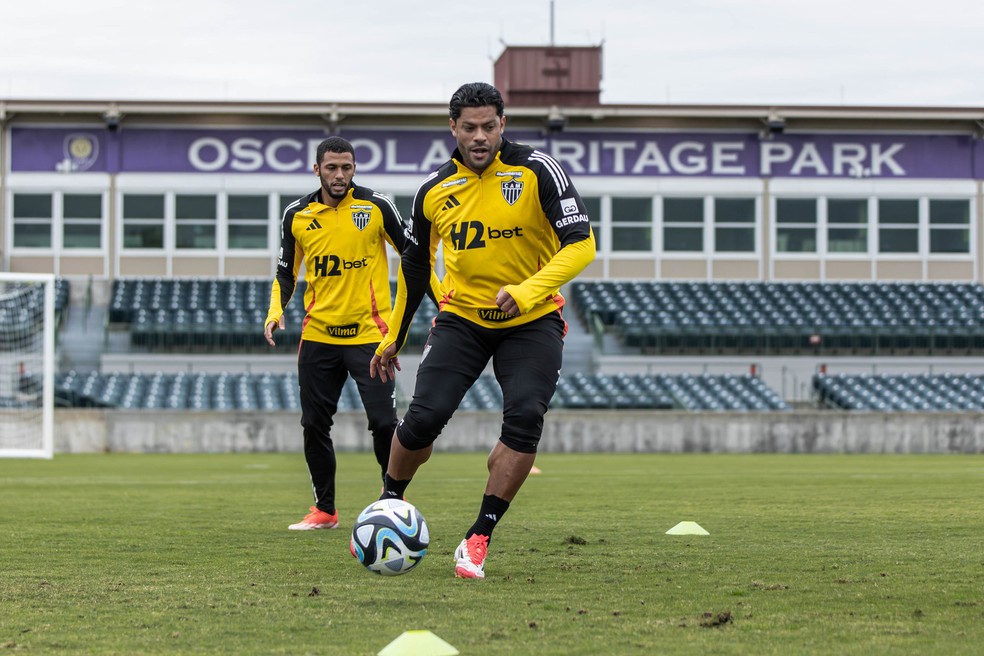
<point>520,225</point>
<point>347,299</point>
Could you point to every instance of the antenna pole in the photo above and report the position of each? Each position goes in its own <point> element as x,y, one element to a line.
<point>551,23</point>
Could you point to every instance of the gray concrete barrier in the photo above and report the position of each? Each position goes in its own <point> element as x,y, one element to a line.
<point>565,431</point>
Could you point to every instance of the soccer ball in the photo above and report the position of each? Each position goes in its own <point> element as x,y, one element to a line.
<point>389,537</point>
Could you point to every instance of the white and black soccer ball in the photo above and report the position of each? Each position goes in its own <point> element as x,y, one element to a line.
<point>390,537</point>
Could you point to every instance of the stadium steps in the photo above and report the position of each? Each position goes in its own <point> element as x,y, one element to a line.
<point>578,344</point>
<point>81,338</point>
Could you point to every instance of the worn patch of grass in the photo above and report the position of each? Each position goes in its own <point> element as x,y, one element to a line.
<point>848,554</point>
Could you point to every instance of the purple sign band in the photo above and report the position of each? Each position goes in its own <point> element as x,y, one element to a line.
<point>418,152</point>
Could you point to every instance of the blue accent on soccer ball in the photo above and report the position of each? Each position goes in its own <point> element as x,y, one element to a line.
<point>390,537</point>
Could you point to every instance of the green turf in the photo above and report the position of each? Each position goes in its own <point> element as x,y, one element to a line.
<point>807,554</point>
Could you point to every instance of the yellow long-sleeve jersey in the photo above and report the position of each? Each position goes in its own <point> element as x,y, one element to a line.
<point>520,225</point>
<point>347,299</point>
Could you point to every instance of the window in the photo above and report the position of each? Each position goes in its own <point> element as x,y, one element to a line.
<point>593,205</point>
<point>949,226</point>
<point>283,201</point>
<point>82,216</point>
<point>734,225</point>
<point>796,225</point>
<point>248,221</point>
<point>683,224</point>
<point>632,224</point>
<point>143,221</point>
<point>194,221</point>
<point>77,218</point>
<point>404,205</point>
<point>32,220</point>
<point>847,225</point>
<point>898,225</point>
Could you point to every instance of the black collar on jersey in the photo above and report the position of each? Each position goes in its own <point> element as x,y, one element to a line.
<point>504,147</point>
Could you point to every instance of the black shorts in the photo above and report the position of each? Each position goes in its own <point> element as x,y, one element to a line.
<point>322,370</point>
<point>526,360</point>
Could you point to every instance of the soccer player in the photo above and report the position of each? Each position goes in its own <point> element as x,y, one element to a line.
<point>513,230</point>
<point>339,231</point>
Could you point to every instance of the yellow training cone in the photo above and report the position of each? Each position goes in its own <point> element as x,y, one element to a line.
<point>418,643</point>
<point>687,528</point>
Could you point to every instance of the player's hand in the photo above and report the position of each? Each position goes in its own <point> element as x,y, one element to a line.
<point>272,326</point>
<point>386,365</point>
<point>506,303</point>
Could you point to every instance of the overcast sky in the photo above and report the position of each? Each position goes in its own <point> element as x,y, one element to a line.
<point>831,52</point>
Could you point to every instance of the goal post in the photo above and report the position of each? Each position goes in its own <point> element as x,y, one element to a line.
<point>27,365</point>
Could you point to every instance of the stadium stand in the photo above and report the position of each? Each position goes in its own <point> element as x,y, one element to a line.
<point>201,314</point>
<point>770,317</point>
<point>186,391</point>
<point>196,315</point>
<point>267,391</point>
<point>648,317</point>
<point>901,392</point>
<point>23,316</point>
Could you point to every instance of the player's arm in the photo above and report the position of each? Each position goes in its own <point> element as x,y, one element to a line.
<point>396,231</point>
<point>285,280</point>
<point>568,217</point>
<point>413,278</point>
<point>412,282</point>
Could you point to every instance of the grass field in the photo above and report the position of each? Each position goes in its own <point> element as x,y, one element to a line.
<point>807,554</point>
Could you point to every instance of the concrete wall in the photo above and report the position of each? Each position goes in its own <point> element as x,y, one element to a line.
<point>802,431</point>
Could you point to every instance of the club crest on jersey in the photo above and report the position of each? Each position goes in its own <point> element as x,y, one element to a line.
<point>361,219</point>
<point>511,190</point>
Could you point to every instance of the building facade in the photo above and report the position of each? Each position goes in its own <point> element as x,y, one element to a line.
<point>102,190</point>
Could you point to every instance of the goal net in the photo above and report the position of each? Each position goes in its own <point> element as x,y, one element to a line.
<point>27,364</point>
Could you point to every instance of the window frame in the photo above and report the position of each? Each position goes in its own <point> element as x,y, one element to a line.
<point>865,226</point>
<point>51,221</point>
<point>795,225</point>
<point>99,222</point>
<point>193,222</point>
<point>881,226</point>
<point>969,227</point>
<point>752,226</point>
<point>56,222</point>
<point>615,226</point>
<point>168,211</point>
<point>273,214</point>
<point>702,224</point>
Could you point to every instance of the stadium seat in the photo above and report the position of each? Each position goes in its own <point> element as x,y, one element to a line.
<point>767,317</point>
<point>210,314</point>
<point>268,391</point>
<point>901,392</point>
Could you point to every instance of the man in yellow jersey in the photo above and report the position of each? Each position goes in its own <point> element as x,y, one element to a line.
<point>340,232</point>
<point>513,230</point>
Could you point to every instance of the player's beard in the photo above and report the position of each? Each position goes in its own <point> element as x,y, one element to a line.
<point>336,195</point>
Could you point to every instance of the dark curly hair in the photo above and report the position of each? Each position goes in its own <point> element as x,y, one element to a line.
<point>334,145</point>
<point>475,94</point>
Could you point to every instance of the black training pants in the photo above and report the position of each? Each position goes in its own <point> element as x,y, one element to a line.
<point>526,360</point>
<point>321,371</point>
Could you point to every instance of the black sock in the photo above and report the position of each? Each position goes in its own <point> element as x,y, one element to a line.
<point>493,508</point>
<point>392,488</point>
